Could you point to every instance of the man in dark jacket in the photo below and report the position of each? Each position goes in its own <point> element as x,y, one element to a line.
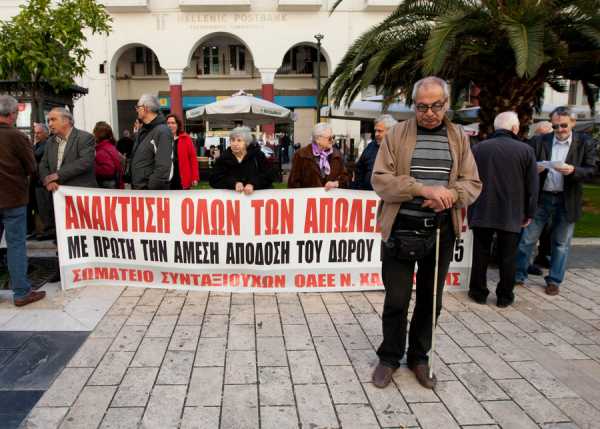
<point>508,171</point>
<point>364,165</point>
<point>151,163</point>
<point>42,196</point>
<point>16,163</point>
<point>69,155</point>
<point>573,160</point>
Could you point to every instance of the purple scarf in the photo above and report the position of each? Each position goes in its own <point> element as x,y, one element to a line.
<point>323,158</point>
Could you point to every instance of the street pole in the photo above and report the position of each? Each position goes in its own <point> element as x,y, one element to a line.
<point>319,37</point>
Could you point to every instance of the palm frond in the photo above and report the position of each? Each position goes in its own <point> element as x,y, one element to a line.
<point>441,40</point>
<point>527,42</point>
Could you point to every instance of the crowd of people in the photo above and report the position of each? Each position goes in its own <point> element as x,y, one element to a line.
<point>424,170</point>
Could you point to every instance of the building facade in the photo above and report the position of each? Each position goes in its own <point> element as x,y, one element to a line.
<point>193,52</point>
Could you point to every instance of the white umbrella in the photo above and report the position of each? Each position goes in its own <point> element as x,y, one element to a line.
<point>241,107</point>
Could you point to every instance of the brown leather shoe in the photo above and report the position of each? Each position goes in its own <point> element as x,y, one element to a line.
<point>552,289</point>
<point>422,373</point>
<point>382,375</point>
<point>33,296</point>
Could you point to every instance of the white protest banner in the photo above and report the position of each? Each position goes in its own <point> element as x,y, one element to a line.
<point>300,240</point>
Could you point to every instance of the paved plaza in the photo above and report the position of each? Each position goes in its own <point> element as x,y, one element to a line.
<point>167,359</point>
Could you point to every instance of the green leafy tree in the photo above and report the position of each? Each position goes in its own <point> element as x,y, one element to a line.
<point>509,49</point>
<point>45,44</point>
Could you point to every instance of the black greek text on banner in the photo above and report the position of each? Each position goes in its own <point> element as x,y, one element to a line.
<point>301,240</point>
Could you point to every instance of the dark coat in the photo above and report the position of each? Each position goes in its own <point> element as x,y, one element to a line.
<point>508,171</point>
<point>364,168</point>
<point>151,164</point>
<point>16,163</point>
<point>582,155</point>
<point>254,169</point>
<point>38,153</point>
<point>305,171</point>
<point>77,168</point>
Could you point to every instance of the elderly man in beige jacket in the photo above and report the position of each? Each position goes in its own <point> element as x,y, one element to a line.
<point>424,174</point>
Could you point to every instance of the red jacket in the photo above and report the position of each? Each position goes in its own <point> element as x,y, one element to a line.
<point>188,163</point>
<point>109,163</point>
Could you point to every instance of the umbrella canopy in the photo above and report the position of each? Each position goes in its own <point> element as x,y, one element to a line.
<point>241,107</point>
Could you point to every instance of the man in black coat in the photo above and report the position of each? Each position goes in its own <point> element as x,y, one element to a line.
<point>43,198</point>
<point>573,158</point>
<point>364,166</point>
<point>507,168</point>
<point>151,161</point>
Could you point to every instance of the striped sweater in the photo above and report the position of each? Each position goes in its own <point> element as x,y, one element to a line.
<point>431,164</point>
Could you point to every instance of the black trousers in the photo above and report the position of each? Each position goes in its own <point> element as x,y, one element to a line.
<point>45,207</point>
<point>507,246</point>
<point>398,280</point>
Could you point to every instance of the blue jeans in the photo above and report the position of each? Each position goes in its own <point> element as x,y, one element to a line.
<point>15,227</point>
<point>551,206</point>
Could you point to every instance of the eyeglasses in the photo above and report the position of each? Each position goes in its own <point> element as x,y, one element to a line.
<point>330,138</point>
<point>557,126</point>
<point>138,106</point>
<point>435,107</point>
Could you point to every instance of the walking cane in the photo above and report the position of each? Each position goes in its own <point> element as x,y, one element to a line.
<point>435,282</point>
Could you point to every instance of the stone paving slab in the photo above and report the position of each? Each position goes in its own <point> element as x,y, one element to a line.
<point>170,359</point>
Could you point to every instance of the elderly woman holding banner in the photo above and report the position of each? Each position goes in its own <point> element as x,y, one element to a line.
<point>319,164</point>
<point>242,167</point>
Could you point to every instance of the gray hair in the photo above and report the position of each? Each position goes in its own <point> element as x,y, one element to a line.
<point>428,81</point>
<point>243,133</point>
<point>563,111</point>
<point>8,105</point>
<point>320,129</point>
<point>506,121</point>
<point>387,120</point>
<point>150,101</point>
<point>64,113</point>
<point>44,127</point>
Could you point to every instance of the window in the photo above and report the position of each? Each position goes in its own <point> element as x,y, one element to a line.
<point>300,60</point>
<point>237,59</point>
<point>573,87</point>
<point>210,55</point>
<point>146,63</point>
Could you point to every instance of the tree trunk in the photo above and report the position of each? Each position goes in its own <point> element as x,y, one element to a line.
<point>507,93</point>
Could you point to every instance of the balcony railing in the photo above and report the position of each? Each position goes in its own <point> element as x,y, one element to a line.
<point>299,4</point>
<point>208,4</point>
<point>126,5</point>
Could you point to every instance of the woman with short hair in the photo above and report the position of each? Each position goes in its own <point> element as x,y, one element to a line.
<point>185,162</point>
<point>109,162</point>
<point>319,164</point>
<point>242,167</point>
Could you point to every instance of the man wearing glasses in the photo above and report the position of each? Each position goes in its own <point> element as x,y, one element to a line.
<point>424,174</point>
<point>573,159</point>
<point>151,162</point>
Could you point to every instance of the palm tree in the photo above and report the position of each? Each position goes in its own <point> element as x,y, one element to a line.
<point>508,49</point>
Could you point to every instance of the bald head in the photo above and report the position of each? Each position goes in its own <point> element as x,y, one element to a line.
<point>507,121</point>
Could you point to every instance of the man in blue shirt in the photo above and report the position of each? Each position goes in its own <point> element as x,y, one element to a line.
<point>573,158</point>
<point>364,165</point>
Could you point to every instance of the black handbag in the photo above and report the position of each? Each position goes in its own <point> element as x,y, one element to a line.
<point>411,244</point>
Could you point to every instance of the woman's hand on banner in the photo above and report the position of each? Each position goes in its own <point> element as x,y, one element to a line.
<point>332,184</point>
